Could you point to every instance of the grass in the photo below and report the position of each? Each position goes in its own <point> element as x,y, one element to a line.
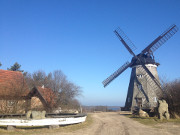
<point>41,130</point>
<point>152,120</point>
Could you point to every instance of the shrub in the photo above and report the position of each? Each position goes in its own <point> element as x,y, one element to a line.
<point>171,93</point>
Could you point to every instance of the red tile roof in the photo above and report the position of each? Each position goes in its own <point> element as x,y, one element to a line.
<point>48,95</point>
<point>12,84</point>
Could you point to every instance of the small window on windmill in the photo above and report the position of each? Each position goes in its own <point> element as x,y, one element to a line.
<point>155,99</point>
<point>140,76</point>
<point>139,87</point>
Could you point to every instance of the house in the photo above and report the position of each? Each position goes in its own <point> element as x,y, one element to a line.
<point>16,97</point>
<point>42,98</point>
<point>13,92</point>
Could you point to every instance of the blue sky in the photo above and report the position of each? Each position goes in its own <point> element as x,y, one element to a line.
<point>77,37</point>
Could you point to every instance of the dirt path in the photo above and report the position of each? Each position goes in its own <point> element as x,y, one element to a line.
<point>116,124</point>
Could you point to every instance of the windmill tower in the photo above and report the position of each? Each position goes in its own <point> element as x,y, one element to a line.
<point>144,86</point>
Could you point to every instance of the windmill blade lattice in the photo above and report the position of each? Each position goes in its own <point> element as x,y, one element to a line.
<point>116,74</point>
<point>125,40</point>
<point>161,39</point>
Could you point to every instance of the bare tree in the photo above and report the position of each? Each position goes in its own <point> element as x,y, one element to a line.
<point>65,91</point>
<point>171,93</point>
<point>39,77</point>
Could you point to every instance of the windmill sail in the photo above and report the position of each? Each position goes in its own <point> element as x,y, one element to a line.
<point>161,39</point>
<point>116,74</point>
<point>125,40</point>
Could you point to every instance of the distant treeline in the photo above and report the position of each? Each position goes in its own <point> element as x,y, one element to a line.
<point>101,108</point>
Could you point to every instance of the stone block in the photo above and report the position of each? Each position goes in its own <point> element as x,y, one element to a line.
<point>53,126</point>
<point>43,114</point>
<point>36,115</point>
<point>10,128</point>
<point>28,114</point>
<point>143,113</point>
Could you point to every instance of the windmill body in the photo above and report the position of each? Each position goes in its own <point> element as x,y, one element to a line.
<point>141,93</point>
<point>144,87</point>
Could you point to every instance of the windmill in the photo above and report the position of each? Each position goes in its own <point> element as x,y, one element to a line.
<point>144,86</point>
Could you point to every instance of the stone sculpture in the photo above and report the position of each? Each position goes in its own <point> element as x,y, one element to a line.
<point>163,110</point>
<point>35,114</point>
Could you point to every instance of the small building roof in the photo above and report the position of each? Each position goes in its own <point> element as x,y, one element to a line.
<point>46,95</point>
<point>12,84</point>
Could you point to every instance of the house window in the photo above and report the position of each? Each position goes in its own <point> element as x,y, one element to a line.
<point>10,103</point>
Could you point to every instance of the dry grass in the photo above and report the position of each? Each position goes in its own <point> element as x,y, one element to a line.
<point>152,120</point>
<point>41,130</point>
